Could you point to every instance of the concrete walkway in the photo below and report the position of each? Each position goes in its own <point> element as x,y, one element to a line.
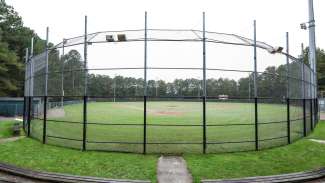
<point>173,169</point>
<point>322,116</point>
<point>318,141</point>
<point>11,139</point>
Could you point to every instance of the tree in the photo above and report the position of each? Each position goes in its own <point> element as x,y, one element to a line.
<point>8,61</point>
<point>320,57</point>
<point>15,37</point>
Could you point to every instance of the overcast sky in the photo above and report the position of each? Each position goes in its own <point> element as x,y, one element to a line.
<point>274,17</point>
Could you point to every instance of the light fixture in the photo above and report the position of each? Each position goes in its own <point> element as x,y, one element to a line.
<point>121,37</point>
<point>277,49</point>
<point>109,38</point>
<point>303,26</point>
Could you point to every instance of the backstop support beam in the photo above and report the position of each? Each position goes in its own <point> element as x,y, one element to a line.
<point>85,98</point>
<point>255,90</point>
<point>145,87</point>
<point>204,87</point>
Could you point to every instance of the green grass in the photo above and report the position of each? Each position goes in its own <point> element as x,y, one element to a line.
<point>30,153</point>
<point>174,113</point>
<point>6,129</point>
<point>319,133</point>
<point>299,156</point>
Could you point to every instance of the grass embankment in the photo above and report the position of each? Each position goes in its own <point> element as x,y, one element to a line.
<point>6,129</point>
<point>29,153</point>
<point>299,156</point>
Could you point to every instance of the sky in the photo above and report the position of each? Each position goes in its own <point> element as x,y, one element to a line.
<point>274,18</point>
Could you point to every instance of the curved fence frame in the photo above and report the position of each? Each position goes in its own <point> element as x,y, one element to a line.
<point>37,106</point>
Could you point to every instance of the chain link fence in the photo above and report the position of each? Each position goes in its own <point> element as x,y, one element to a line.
<point>168,91</point>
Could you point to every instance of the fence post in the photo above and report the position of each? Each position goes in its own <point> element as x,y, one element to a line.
<point>44,119</point>
<point>311,115</point>
<point>256,124</point>
<point>316,110</point>
<point>85,98</point>
<point>255,90</point>
<point>46,85</point>
<point>29,115</point>
<point>145,88</point>
<point>24,114</point>
<point>304,116</point>
<point>288,121</point>
<point>84,131</point>
<point>288,89</point>
<point>204,88</point>
<point>303,88</point>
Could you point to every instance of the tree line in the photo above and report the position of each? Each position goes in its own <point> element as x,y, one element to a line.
<point>271,83</point>
<point>15,37</point>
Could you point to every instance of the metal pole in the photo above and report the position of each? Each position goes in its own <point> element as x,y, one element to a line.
<point>26,73</point>
<point>311,114</point>
<point>249,86</point>
<point>287,64</point>
<point>29,115</point>
<point>84,136</point>
<point>31,65</point>
<point>46,60</point>
<point>312,55</point>
<point>114,87</point>
<point>288,89</point>
<point>62,74</point>
<point>46,82</point>
<point>303,89</point>
<point>303,71</point>
<point>304,116</point>
<point>255,90</point>
<point>26,87</point>
<point>44,119</point>
<point>24,114</point>
<point>312,46</point>
<point>145,87</point>
<point>31,87</point>
<point>204,86</point>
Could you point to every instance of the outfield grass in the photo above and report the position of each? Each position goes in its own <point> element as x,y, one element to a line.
<point>299,156</point>
<point>171,113</point>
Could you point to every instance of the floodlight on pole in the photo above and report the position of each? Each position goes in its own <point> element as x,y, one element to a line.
<point>310,25</point>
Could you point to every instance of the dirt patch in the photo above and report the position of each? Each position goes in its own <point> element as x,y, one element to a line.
<point>226,106</point>
<point>166,113</point>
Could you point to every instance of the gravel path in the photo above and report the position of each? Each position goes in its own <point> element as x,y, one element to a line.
<point>5,177</point>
